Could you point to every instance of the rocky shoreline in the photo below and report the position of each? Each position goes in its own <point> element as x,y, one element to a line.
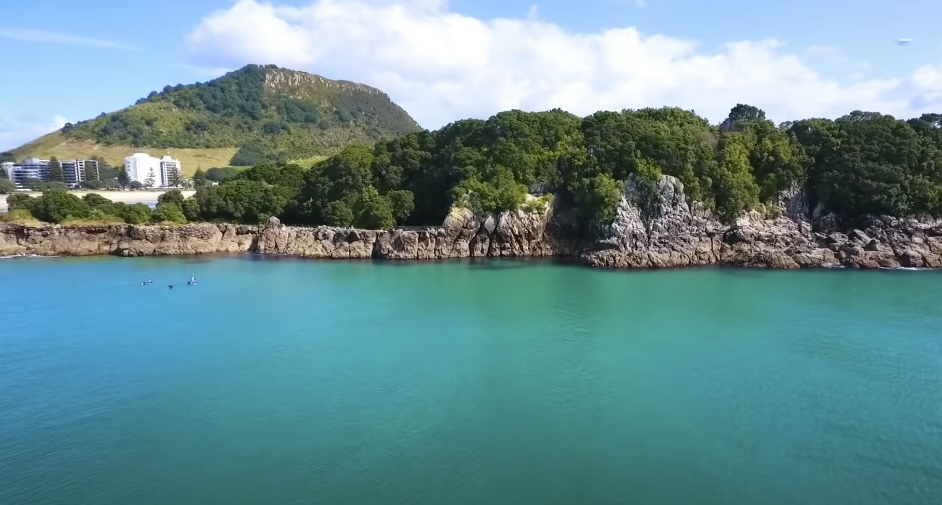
<point>674,234</point>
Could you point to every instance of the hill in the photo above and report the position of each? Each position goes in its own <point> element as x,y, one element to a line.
<point>248,116</point>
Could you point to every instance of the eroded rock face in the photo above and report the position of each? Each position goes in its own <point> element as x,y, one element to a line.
<point>462,235</point>
<point>125,240</point>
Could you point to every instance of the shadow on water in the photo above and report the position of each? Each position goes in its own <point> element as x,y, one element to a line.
<point>477,263</point>
<point>511,263</point>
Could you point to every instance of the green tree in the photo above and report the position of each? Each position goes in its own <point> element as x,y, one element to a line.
<point>740,116</point>
<point>597,199</point>
<point>137,214</point>
<point>56,205</point>
<point>7,187</point>
<point>222,174</point>
<point>402,203</point>
<point>150,180</point>
<point>169,213</point>
<point>199,178</point>
<point>55,170</point>
<point>174,196</point>
<point>98,202</point>
<point>33,184</point>
<point>191,209</point>
<point>735,188</point>
<point>19,201</point>
<point>174,178</point>
<point>124,180</point>
<point>4,174</point>
<point>374,211</point>
<point>338,214</point>
<point>497,192</point>
<point>93,174</point>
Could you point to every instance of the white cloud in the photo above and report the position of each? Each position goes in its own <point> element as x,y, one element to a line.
<point>825,51</point>
<point>27,35</point>
<point>442,66</point>
<point>16,131</point>
<point>928,80</point>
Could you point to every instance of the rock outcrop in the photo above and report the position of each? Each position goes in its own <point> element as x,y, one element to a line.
<point>462,235</point>
<point>679,234</point>
<point>668,232</point>
<point>125,240</point>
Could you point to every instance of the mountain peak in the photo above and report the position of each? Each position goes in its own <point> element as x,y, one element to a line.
<point>266,112</point>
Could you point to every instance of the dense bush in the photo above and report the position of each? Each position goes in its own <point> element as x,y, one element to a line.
<point>863,163</point>
<point>60,206</point>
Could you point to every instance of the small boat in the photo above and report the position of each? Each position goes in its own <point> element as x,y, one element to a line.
<point>192,281</point>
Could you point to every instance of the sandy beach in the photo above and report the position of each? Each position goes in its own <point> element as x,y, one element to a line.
<point>128,197</point>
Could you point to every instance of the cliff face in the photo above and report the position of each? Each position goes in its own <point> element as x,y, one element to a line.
<point>677,234</point>
<point>670,233</point>
<point>125,240</point>
<point>462,235</point>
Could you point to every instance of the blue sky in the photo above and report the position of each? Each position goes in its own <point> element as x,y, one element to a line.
<point>73,60</point>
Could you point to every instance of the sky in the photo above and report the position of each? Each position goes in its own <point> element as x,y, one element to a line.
<point>446,60</point>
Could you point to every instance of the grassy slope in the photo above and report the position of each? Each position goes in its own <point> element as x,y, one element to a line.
<point>55,144</point>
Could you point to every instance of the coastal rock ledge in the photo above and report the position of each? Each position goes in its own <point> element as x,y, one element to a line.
<point>669,232</point>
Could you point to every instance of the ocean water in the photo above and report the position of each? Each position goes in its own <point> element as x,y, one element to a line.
<point>277,381</point>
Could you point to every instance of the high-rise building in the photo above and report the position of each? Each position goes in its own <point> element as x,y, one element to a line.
<point>151,171</point>
<point>74,172</point>
<point>171,172</point>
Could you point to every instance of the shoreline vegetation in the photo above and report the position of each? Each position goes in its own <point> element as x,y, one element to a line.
<point>115,196</point>
<point>631,189</point>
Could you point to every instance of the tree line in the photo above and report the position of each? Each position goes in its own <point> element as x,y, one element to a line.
<point>62,207</point>
<point>864,163</point>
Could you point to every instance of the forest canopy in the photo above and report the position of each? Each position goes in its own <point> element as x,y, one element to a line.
<point>864,163</point>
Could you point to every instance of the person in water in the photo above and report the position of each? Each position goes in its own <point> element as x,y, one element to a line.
<point>170,286</point>
<point>192,281</point>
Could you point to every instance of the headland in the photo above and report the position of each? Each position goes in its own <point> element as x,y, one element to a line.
<point>677,234</point>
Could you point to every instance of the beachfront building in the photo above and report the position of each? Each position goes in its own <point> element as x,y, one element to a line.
<point>31,168</point>
<point>171,171</point>
<point>153,172</point>
<point>74,172</point>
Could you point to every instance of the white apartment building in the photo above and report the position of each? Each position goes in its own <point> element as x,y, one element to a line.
<point>74,172</point>
<point>159,172</point>
<point>171,171</point>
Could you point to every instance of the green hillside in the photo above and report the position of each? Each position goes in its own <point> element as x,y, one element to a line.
<point>264,113</point>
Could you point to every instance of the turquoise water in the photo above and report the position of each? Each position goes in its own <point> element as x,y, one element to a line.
<point>304,382</point>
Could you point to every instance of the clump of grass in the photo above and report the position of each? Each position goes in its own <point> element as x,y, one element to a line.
<point>96,217</point>
<point>769,211</point>
<point>537,205</point>
<point>19,216</point>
